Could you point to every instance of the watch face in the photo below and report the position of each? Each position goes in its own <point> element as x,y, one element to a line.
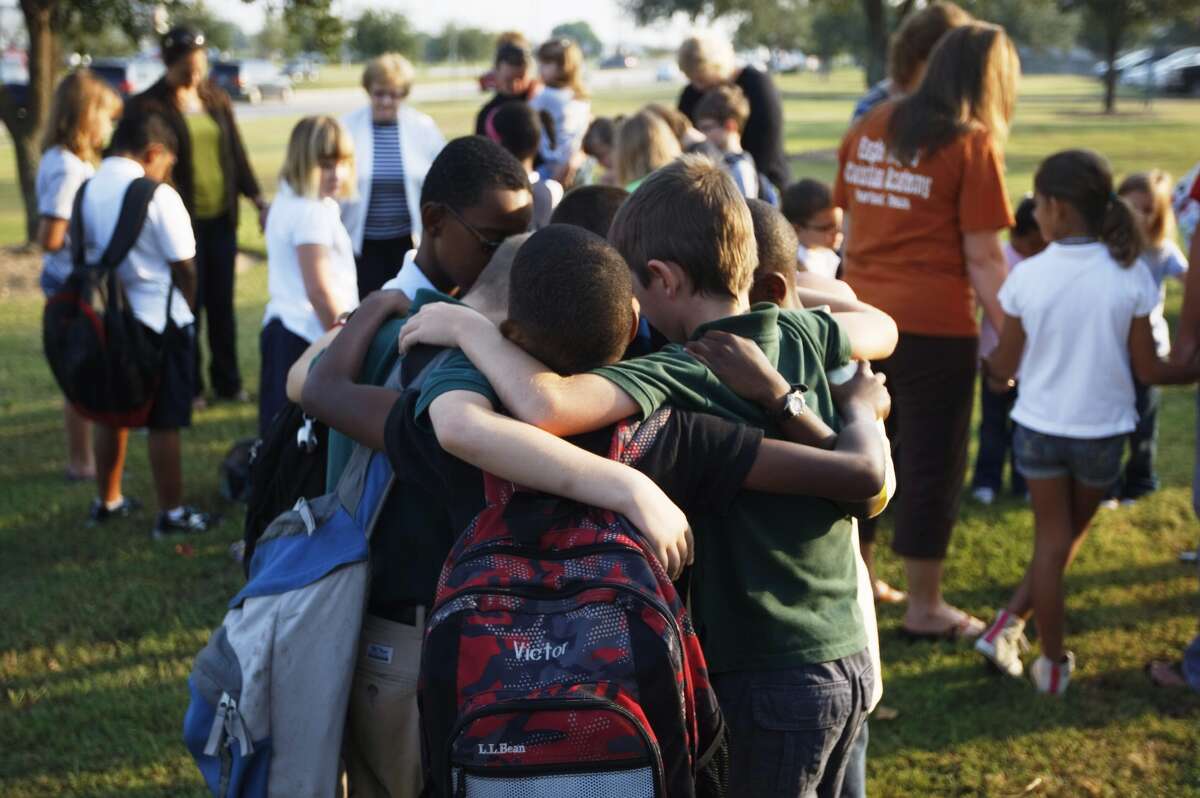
<point>794,405</point>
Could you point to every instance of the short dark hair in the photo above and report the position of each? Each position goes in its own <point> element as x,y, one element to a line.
<point>722,104</point>
<point>601,132</point>
<point>1025,223</point>
<point>804,199</point>
<point>466,168</point>
<point>517,128</point>
<point>777,242</point>
<point>569,300</point>
<point>691,213</point>
<point>138,129</point>
<point>590,207</point>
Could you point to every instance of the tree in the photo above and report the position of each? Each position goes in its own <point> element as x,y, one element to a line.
<point>785,26</point>
<point>460,44</point>
<point>313,28</point>
<point>1038,24</point>
<point>377,32</point>
<point>582,34</point>
<point>218,31</point>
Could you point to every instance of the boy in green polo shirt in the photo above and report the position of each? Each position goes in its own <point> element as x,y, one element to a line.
<point>774,593</point>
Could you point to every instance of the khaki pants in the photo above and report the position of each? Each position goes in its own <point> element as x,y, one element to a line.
<point>383,738</point>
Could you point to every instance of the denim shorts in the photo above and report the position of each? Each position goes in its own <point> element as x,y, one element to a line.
<point>1095,462</point>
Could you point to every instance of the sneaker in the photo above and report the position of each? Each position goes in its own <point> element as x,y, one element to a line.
<point>99,512</point>
<point>1052,678</point>
<point>190,523</point>
<point>984,495</point>
<point>1003,643</point>
<point>1110,504</point>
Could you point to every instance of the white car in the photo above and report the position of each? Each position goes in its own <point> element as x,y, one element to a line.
<point>1162,73</point>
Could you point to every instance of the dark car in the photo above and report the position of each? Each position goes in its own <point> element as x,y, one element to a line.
<point>251,80</point>
<point>15,79</point>
<point>127,76</point>
<point>299,70</point>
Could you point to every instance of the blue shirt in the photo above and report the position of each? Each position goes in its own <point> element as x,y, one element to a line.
<point>387,213</point>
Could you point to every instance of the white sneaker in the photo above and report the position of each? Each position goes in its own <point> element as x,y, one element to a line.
<point>1004,642</point>
<point>1052,678</point>
<point>984,495</point>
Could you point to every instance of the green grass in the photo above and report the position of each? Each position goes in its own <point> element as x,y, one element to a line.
<point>98,628</point>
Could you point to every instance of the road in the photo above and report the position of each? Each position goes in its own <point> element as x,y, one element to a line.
<point>339,101</point>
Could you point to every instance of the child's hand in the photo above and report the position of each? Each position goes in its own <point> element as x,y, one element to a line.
<point>864,389</point>
<point>662,523</point>
<point>441,324</point>
<point>741,366</point>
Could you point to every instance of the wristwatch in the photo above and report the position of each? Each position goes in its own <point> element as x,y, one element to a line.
<point>794,404</point>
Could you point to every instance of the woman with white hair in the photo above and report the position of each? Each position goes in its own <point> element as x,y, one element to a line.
<point>394,146</point>
<point>708,61</point>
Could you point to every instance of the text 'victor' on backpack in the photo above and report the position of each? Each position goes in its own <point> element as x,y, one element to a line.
<point>105,362</point>
<point>559,661</point>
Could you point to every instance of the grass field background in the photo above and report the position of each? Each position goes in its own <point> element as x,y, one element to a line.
<point>99,627</point>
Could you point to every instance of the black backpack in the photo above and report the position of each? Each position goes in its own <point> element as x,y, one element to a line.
<point>106,363</point>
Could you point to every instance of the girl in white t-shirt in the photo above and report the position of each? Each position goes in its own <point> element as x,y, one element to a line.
<point>80,123</point>
<point>1077,323</point>
<point>311,277</point>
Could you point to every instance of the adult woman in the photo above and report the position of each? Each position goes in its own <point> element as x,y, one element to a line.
<point>921,182</point>
<point>211,171</point>
<point>394,146</point>
<point>708,61</point>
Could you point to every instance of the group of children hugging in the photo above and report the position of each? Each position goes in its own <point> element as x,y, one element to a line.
<point>670,280</point>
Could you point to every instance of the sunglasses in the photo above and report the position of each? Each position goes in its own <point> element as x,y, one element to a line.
<point>487,244</point>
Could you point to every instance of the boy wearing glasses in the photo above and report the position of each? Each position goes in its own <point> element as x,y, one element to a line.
<point>808,205</point>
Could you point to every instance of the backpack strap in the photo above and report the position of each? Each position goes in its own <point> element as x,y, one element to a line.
<point>632,439</point>
<point>75,230</point>
<point>134,209</point>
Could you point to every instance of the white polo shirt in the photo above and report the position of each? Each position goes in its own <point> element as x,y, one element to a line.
<point>410,279</point>
<point>166,238</point>
<point>60,174</point>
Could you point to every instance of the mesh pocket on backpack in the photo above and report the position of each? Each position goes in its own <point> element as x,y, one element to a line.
<point>637,783</point>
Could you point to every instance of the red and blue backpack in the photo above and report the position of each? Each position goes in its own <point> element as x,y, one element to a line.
<point>559,660</point>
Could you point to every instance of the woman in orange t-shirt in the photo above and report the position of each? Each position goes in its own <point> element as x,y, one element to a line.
<point>921,182</point>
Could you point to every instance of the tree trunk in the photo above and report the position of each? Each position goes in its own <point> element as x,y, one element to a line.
<point>1114,30</point>
<point>875,63</point>
<point>25,122</point>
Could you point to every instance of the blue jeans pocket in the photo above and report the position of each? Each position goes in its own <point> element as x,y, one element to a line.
<point>795,728</point>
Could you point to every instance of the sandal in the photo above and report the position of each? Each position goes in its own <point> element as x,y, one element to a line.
<point>886,594</point>
<point>1166,674</point>
<point>967,627</point>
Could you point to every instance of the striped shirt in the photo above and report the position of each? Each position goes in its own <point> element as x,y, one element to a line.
<point>387,214</point>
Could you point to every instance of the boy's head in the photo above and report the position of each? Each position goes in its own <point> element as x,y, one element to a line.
<point>1025,235</point>
<point>721,116</point>
<point>590,207</point>
<point>808,205</point>
<point>687,235</point>
<point>513,63</point>
<point>147,139</point>
<point>489,294</point>
<point>475,195</point>
<point>517,128</point>
<point>599,140</point>
<point>775,277</point>
<point>570,301</point>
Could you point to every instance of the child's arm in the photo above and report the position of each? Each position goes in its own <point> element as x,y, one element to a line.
<point>531,392</point>
<point>1187,339</point>
<point>1148,367</point>
<point>330,393</point>
<point>183,272</point>
<point>470,429</point>
<point>314,271</point>
<point>873,334</point>
<point>298,373</point>
<point>814,290</point>
<point>1002,364</point>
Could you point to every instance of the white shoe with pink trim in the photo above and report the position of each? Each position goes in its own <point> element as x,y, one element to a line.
<point>1052,678</point>
<point>1003,643</point>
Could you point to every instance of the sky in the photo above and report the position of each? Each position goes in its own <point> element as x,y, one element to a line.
<point>535,18</point>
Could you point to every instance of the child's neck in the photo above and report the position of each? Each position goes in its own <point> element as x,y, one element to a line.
<point>426,261</point>
<point>733,144</point>
<point>707,309</point>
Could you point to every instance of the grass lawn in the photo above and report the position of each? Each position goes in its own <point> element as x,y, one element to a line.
<point>100,626</point>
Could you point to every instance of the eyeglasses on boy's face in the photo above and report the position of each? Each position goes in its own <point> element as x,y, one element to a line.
<point>489,245</point>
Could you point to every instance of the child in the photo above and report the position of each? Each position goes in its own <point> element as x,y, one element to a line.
<point>644,143</point>
<point>721,116</point>
<point>590,207</point>
<point>560,64</point>
<point>679,123</point>
<point>80,122</point>
<point>159,277</point>
<point>775,588</point>
<point>995,427</point>
<point>598,143</point>
<point>808,205</point>
<point>311,276</point>
<point>1149,193</point>
<point>517,128</point>
<point>1077,320</point>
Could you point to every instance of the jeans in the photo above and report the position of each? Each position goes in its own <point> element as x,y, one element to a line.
<point>792,731</point>
<point>216,252</point>
<point>995,441</point>
<point>1094,462</point>
<point>1139,477</point>
<point>854,785</point>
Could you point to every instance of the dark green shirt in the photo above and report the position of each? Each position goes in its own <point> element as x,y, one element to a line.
<point>775,577</point>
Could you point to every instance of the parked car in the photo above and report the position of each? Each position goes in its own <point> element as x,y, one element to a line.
<point>1129,60</point>
<point>127,76</point>
<point>1164,74</point>
<point>252,80</point>
<point>299,70</point>
<point>668,72</point>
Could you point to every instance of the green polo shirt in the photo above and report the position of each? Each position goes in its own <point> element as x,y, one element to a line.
<point>775,581</point>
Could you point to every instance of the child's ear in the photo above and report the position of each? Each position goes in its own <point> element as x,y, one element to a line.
<point>432,216</point>
<point>633,327</point>
<point>731,126</point>
<point>512,331</point>
<point>669,274</point>
<point>769,287</point>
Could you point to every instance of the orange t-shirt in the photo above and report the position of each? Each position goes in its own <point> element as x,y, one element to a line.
<point>905,251</point>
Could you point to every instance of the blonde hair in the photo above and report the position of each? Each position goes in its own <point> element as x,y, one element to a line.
<point>566,55</point>
<point>314,140</point>
<point>643,143</point>
<point>706,56</point>
<point>1160,224</point>
<point>80,100</point>
<point>971,81</point>
<point>390,69</point>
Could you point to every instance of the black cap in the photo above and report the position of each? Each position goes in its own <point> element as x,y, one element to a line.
<point>179,41</point>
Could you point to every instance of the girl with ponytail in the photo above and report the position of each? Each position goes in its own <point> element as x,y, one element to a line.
<point>1077,323</point>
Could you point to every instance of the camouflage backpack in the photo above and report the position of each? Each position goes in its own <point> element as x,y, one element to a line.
<point>559,660</point>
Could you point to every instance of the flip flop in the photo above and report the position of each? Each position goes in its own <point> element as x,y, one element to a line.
<point>886,594</point>
<point>1166,674</point>
<point>965,628</point>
